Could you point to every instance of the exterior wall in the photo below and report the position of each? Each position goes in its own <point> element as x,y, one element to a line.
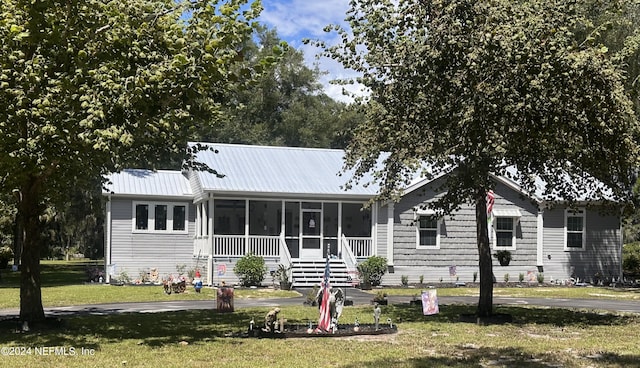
<point>134,252</point>
<point>458,246</point>
<point>380,248</point>
<point>602,248</point>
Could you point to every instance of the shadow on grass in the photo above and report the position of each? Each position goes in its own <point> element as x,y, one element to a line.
<point>521,315</point>
<point>195,327</point>
<point>505,357</point>
<point>52,274</point>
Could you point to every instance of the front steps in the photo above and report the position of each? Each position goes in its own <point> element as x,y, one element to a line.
<point>307,274</point>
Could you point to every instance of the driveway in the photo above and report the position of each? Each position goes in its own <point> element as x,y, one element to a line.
<point>359,298</point>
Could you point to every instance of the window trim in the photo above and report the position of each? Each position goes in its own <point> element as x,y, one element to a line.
<point>514,225</point>
<point>438,229</point>
<point>578,212</point>
<point>151,217</point>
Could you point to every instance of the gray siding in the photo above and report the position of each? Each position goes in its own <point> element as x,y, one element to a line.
<point>601,253</point>
<point>381,231</point>
<point>134,252</point>
<point>458,246</point>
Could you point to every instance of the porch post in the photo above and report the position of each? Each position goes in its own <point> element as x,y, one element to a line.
<point>211,224</point>
<point>540,238</point>
<point>246,226</point>
<point>340,235</point>
<point>390,210</point>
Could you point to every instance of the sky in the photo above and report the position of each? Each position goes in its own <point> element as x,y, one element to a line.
<point>296,20</point>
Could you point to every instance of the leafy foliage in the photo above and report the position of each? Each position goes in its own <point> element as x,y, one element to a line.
<point>250,269</point>
<point>631,259</point>
<point>474,88</point>
<point>372,269</point>
<point>89,87</point>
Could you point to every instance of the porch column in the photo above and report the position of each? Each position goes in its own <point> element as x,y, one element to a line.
<point>340,234</point>
<point>540,238</point>
<point>246,226</point>
<point>390,210</point>
<point>210,224</point>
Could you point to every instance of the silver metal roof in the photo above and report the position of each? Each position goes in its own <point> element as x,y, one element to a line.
<point>278,170</point>
<point>142,182</point>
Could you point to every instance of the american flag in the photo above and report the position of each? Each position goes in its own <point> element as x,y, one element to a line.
<point>490,200</point>
<point>324,323</point>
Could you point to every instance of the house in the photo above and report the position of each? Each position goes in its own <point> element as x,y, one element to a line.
<point>290,206</point>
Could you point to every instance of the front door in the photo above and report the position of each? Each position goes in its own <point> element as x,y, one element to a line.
<point>311,245</point>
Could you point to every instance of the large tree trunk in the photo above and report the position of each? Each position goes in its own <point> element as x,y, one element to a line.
<point>485,304</point>
<point>31,309</point>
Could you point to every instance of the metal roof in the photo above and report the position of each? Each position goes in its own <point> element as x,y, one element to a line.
<point>141,182</point>
<point>278,170</point>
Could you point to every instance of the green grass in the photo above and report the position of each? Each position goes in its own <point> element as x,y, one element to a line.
<point>529,292</point>
<point>64,284</point>
<point>537,338</point>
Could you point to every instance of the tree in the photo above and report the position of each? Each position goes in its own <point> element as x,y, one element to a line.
<point>88,87</point>
<point>286,106</point>
<point>476,87</point>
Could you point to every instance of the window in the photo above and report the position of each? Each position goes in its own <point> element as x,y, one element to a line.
<point>160,217</point>
<point>428,234</point>
<point>505,234</point>
<point>142,217</point>
<point>574,226</point>
<point>179,217</point>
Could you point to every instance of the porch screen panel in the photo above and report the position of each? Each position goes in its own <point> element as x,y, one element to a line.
<point>264,218</point>
<point>356,221</point>
<point>229,217</point>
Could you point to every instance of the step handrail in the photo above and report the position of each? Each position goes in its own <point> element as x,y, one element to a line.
<point>350,259</point>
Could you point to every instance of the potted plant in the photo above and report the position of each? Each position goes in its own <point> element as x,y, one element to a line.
<point>6,254</point>
<point>504,257</point>
<point>283,275</point>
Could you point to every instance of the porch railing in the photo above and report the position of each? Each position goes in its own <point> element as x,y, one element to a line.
<point>361,247</point>
<point>347,255</point>
<point>239,245</point>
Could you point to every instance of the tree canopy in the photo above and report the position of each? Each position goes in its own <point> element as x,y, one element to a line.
<point>482,86</point>
<point>89,87</point>
<point>286,106</point>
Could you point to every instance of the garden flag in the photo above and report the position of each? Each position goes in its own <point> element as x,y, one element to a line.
<point>324,323</point>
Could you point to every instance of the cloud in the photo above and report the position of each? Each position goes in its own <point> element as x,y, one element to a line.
<point>296,20</point>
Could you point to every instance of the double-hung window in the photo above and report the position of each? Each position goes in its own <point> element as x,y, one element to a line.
<point>505,223</point>
<point>574,230</point>
<point>427,231</point>
<point>159,217</point>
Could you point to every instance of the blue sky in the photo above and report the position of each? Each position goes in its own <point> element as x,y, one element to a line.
<point>299,19</point>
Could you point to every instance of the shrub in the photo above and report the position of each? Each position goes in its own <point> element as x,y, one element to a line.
<point>404,279</point>
<point>506,277</point>
<point>521,277</point>
<point>250,269</point>
<point>372,270</point>
<point>631,259</point>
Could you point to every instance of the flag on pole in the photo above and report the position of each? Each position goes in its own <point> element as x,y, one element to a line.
<point>324,322</point>
<point>491,197</point>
